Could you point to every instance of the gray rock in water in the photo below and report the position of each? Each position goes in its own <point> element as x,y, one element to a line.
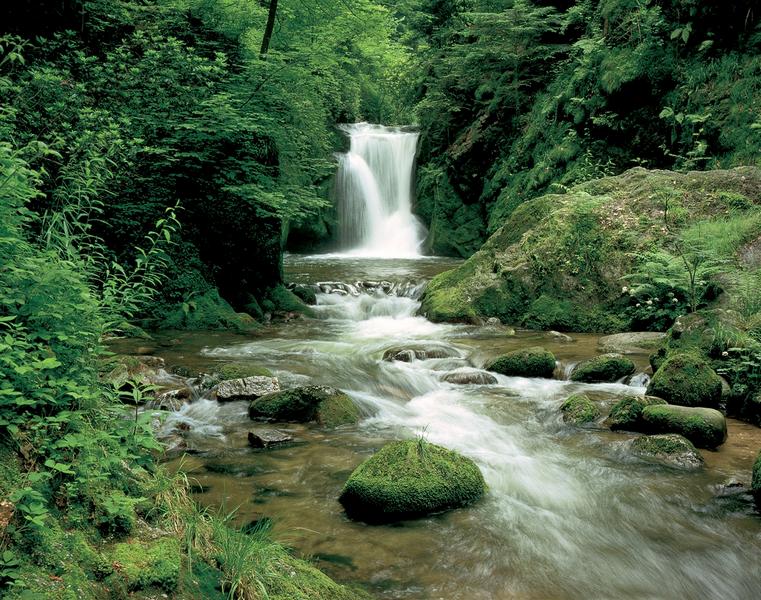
<point>171,400</point>
<point>248,388</point>
<point>419,353</point>
<point>631,342</point>
<point>671,449</point>
<point>560,337</point>
<point>469,377</point>
<point>267,438</point>
<point>493,321</point>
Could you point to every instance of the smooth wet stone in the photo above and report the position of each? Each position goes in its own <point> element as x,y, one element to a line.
<point>671,449</point>
<point>248,388</point>
<point>704,427</point>
<point>605,368</point>
<point>631,342</point>
<point>325,405</point>
<point>267,438</point>
<point>469,378</point>
<point>419,353</point>
<point>559,337</point>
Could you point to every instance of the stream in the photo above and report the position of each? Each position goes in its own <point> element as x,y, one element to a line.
<point>569,512</point>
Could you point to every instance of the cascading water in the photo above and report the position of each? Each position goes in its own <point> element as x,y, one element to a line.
<point>374,187</point>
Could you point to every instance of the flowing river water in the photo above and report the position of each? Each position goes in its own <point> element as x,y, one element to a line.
<point>569,512</point>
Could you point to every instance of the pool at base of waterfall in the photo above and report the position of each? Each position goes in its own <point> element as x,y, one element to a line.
<point>570,512</point>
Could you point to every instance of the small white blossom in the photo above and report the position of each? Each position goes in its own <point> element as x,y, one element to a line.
<point>624,289</point>
<point>649,303</point>
<point>638,305</point>
<point>655,299</point>
<point>675,300</point>
<point>725,353</point>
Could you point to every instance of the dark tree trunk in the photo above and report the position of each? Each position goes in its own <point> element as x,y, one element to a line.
<point>268,29</point>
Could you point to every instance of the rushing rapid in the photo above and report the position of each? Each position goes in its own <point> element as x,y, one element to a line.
<point>569,513</point>
<point>374,188</point>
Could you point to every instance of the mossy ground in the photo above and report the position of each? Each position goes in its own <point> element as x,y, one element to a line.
<point>558,261</point>
<point>527,362</point>
<point>408,479</point>
<point>579,409</point>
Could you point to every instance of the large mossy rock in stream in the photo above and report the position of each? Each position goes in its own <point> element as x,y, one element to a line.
<point>704,427</point>
<point>409,479</point>
<point>606,368</point>
<point>578,409</point>
<point>326,405</point>
<point>526,362</point>
<point>670,449</point>
<point>557,260</point>
<point>626,414</point>
<point>687,380</point>
<point>240,370</point>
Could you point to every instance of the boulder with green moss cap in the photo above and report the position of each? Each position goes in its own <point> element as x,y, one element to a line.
<point>605,368</point>
<point>626,414</point>
<point>241,369</point>
<point>325,405</point>
<point>704,427</point>
<point>527,362</point>
<point>579,409</point>
<point>687,380</point>
<point>671,449</point>
<point>409,479</point>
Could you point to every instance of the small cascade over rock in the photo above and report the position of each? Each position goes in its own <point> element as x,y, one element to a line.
<point>374,187</point>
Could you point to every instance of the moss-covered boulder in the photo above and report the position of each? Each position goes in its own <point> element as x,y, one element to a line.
<point>687,380</point>
<point>148,564</point>
<point>556,261</point>
<point>527,362</point>
<point>755,484</point>
<point>704,427</point>
<point>671,449</point>
<point>579,409</point>
<point>603,369</point>
<point>241,370</point>
<point>408,479</point>
<point>325,405</point>
<point>626,414</point>
<point>207,311</point>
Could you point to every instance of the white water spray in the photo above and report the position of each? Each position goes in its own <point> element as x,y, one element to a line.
<point>374,187</point>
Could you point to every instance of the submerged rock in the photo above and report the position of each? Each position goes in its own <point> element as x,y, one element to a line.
<point>631,342</point>
<point>247,388</point>
<point>325,405</point>
<point>605,368</point>
<point>419,352</point>
<point>527,362</point>
<point>469,377</point>
<point>626,414</point>
<point>267,438</point>
<point>686,380</point>
<point>579,409</point>
<point>704,427</point>
<point>409,479</point>
<point>670,448</point>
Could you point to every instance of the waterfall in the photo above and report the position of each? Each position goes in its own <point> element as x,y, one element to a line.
<point>374,187</point>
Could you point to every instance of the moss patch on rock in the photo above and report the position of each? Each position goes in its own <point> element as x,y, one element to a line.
<point>527,362</point>
<point>670,448</point>
<point>207,311</point>
<point>144,565</point>
<point>704,427</point>
<point>557,261</point>
<point>755,485</point>
<point>327,406</point>
<point>241,370</point>
<point>687,380</point>
<point>603,369</point>
<point>408,479</point>
<point>579,409</point>
<point>626,414</point>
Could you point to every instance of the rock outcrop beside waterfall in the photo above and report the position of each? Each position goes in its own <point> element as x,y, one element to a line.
<point>558,260</point>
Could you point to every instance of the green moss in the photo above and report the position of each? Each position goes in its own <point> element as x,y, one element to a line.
<point>626,413</point>
<point>579,409</point>
<point>207,311</point>
<point>686,380</point>
<point>11,477</point>
<point>241,370</point>
<point>704,427</point>
<point>305,293</point>
<point>327,406</point>
<point>283,300</point>
<point>407,479</point>
<point>755,484</point>
<point>671,448</point>
<point>527,362</point>
<point>148,564</point>
<point>602,369</point>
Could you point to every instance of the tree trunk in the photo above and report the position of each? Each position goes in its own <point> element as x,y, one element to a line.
<point>268,30</point>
